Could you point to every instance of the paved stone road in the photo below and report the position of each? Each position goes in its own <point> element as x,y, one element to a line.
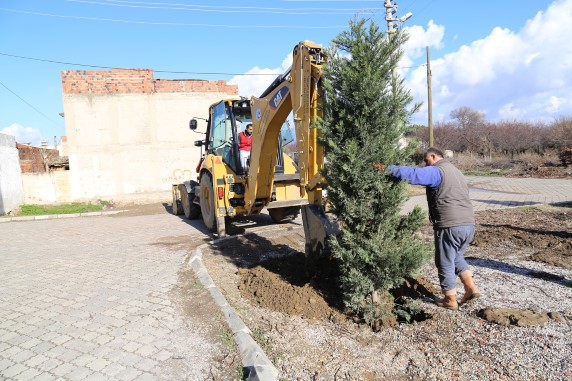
<point>499,192</point>
<point>88,299</point>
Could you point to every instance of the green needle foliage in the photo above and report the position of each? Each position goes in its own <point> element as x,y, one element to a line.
<point>366,113</point>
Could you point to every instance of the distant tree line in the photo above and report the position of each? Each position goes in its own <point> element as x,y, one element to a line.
<point>469,132</point>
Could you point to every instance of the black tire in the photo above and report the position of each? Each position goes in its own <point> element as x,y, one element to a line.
<point>195,210</point>
<point>190,210</point>
<point>283,215</point>
<point>176,205</point>
<point>207,200</point>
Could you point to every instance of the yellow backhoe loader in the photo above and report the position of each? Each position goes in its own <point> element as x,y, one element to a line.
<point>273,180</point>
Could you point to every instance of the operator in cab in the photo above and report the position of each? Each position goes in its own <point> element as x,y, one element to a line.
<point>245,145</point>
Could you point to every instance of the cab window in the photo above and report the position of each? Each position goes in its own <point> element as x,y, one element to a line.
<point>221,135</point>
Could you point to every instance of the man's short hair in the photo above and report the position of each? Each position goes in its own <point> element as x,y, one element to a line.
<point>249,125</point>
<point>435,151</point>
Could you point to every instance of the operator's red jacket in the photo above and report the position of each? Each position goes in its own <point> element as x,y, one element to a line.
<point>244,141</point>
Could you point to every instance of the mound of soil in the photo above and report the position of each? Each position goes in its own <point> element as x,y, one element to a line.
<point>285,277</point>
<point>513,316</point>
<point>282,284</point>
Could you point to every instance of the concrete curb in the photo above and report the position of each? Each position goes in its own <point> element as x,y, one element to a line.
<point>55,216</point>
<point>257,365</point>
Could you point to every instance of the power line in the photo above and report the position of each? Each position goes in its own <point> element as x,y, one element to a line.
<point>332,1</point>
<point>176,24</point>
<point>110,67</point>
<point>156,71</point>
<point>222,9</point>
<point>30,105</point>
<point>422,10</point>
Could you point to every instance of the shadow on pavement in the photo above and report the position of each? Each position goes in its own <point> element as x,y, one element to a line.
<point>562,204</point>
<point>234,226</point>
<point>508,202</point>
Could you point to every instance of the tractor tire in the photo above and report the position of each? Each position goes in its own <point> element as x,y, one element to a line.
<point>190,209</point>
<point>176,206</point>
<point>207,199</point>
<point>195,210</point>
<point>283,215</point>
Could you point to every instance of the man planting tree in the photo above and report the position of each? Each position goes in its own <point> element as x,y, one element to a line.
<point>451,213</point>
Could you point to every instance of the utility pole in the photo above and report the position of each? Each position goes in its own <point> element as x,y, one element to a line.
<point>429,98</point>
<point>390,10</point>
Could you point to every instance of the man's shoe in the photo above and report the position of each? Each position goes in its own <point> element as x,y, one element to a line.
<point>469,296</point>
<point>471,290</point>
<point>448,301</point>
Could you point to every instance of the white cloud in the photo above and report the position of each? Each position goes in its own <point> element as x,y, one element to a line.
<point>253,83</point>
<point>419,38</point>
<point>509,112</point>
<point>23,134</point>
<point>554,104</point>
<point>416,45</point>
<point>525,74</point>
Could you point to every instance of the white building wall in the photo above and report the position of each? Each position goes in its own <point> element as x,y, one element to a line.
<point>132,147</point>
<point>11,189</point>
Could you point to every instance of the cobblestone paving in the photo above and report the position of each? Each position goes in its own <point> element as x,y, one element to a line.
<point>88,299</point>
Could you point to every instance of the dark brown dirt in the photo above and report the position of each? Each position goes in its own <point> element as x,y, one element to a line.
<point>547,232</point>
<point>282,272</point>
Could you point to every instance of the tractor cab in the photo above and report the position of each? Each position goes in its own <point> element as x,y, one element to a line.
<point>227,119</point>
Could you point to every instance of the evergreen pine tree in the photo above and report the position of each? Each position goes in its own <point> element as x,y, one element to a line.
<point>366,113</point>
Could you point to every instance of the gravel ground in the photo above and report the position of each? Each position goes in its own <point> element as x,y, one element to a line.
<point>450,345</point>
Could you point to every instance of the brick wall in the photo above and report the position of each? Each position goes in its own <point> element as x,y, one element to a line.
<point>33,159</point>
<point>135,81</point>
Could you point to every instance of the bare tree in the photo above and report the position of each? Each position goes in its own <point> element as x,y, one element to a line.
<point>471,123</point>
<point>467,117</point>
<point>562,132</point>
<point>514,137</point>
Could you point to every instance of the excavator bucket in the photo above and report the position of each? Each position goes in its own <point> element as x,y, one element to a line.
<point>318,227</point>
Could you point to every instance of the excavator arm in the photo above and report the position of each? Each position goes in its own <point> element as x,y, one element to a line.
<point>298,91</point>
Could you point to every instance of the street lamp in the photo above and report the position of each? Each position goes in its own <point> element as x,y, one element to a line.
<point>390,11</point>
<point>405,17</point>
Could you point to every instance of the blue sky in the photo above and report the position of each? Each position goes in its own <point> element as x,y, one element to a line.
<point>511,59</point>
